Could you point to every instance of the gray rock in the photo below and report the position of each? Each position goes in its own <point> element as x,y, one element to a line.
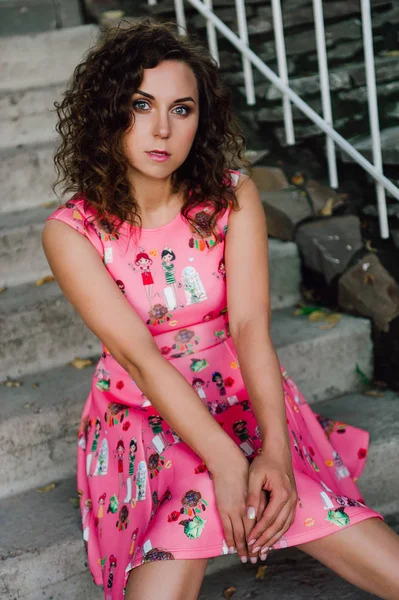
<point>372,210</point>
<point>226,14</point>
<point>275,114</point>
<point>359,94</point>
<point>305,86</point>
<point>269,179</point>
<point>284,209</point>
<point>322,195</point>
<point>386,69</point>
<point>395,237</point>
<point>389,146</point>
<point>303,132</point>
<point>327,245</point>
<point>367,289</point>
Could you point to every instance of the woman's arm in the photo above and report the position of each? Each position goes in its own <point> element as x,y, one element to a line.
<point>247,275</point>
<point>248,298</point>
<point>86,283</point>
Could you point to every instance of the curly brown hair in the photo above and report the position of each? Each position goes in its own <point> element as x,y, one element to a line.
<point>96,110</point>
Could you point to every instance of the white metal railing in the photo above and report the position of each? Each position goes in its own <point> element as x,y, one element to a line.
<point>281,82</point>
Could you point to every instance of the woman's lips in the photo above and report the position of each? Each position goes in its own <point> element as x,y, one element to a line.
<point>158,157</point>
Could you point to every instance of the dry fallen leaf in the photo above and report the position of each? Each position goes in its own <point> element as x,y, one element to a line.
<point>374,393</point>
<point>81,363</point>
<point>317,315</point>
<point>3,289</point>
<point>228,592</point>
<point>370,247</point>
<point>51,204</point>
<point>12,383</point>
<point>46,488</point>
<point>327,209</point>
<point>43,280</point>
<point>333,319</point>
<point>261,572</point>
<point>368,279</point>
<point>298,179</point>
<point>75,502</point>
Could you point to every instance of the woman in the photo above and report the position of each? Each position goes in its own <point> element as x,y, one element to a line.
<point>255,471</point>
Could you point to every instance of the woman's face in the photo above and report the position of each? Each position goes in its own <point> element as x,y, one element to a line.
<point>161,122</point>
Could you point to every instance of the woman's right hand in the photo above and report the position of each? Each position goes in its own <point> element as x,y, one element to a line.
<point>230,478</point>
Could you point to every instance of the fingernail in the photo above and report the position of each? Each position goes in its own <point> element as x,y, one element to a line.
<point>263,556</point>
<point>253,559</point>
<point>232,549</point>
<point>256,549</point>
<point>251,512</point>
<point>265,549</point>
<point>251,542</point>
<point>244,559</point>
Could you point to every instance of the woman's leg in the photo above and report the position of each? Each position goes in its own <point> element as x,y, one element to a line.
<point>365,554</point>
<point>179,579</point>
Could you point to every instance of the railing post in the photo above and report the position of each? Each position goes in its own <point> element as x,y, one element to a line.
<point>282,69</point>
<point>373,113</point>
<point>246,65</point>
<point>211,32</point>
<point>180,17</point>
<point>325,88</point>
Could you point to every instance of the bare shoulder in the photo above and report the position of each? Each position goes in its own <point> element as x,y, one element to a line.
<point>249,201</point>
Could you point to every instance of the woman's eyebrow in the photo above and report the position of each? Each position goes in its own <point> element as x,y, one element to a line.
<point>153,98</point>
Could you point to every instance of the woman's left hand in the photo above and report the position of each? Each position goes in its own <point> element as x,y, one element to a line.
<point>275,476</point>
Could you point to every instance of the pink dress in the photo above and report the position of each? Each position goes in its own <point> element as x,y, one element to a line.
<point>145,494</point>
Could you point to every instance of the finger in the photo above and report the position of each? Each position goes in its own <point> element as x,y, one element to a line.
<point>273,540</point>
<point>273,533</point>
<point>255,485</point>
<point>260,511</point>
<point>228,533</point>
<point>239,536</point>
<point>270,514</point>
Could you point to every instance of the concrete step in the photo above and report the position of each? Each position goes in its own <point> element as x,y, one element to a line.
<point>39,60</point>
<point>23,259</point>
<point>41,330</point>
<point>28,130</point>
<point>26,177</point>
<point>379,482</point>
<point>41,417</point>
<point>15,104</point>
<point>290,575</point>
<point>43,557</point>
<point>21,251</point>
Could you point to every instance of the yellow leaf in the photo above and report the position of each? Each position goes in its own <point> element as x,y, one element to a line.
<point>370,247</point>
<point>81,363</point>
<point>43,280</point>
<point>317,315</point>
<point>46,488</point>
<point>3,289</point>
<point>228,592</point>
<point>261,572</point>
<point>374,393</point>
<point>298,179</point>
<point>327,208</point>
<point>51,204</point>
<point>12,383</point>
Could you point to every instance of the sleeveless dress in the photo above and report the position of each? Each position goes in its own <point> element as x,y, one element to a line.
<point>145,495</point>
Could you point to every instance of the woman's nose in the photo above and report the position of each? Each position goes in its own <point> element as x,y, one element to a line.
<point>162,125</point>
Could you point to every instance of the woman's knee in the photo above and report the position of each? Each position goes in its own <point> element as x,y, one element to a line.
<point>178,579</point>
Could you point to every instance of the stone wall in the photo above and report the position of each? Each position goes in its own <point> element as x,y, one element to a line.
<point>345,57</point>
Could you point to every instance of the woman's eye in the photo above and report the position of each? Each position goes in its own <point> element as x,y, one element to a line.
<point>135,104</point>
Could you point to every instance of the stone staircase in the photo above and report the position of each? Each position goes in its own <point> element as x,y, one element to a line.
<point>42,395</point>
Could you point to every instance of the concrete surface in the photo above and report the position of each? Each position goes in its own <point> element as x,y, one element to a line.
<point>49,58</point>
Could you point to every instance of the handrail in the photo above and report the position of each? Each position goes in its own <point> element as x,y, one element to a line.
<point>325,124</point>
